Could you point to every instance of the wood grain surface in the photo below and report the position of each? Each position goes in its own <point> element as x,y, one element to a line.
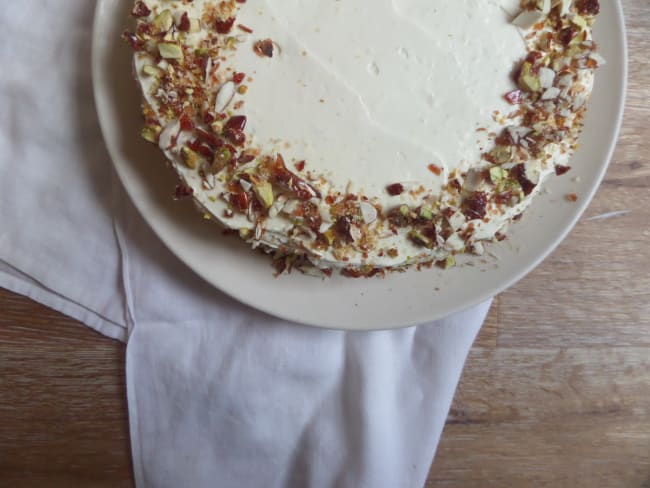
<point>556,391</point>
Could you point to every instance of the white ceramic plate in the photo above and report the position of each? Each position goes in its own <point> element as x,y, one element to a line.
<point>398,300</point>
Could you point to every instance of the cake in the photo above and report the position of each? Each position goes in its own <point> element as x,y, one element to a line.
<point>338,137</point>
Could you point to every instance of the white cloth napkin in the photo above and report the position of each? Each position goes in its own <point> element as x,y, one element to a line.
<point>219,394</point>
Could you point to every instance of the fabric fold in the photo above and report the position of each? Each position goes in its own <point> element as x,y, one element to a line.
<point>219,394</point>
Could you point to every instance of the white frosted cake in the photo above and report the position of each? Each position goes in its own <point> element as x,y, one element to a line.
<point>364,136</point>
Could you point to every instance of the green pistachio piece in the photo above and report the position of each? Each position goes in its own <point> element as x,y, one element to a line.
<point>163,21</point>
<point>497,174</point>
<point>190,158</point>
<point>151,70</point>
<point>264,192</point>
<point>426,213</point>
<point>420,239</point>
<point>170,51</point>
<point>579,21</point>
<point>502,154</point>
<point>527,80</point>
<point>222,156</point>
<point>151,133</point>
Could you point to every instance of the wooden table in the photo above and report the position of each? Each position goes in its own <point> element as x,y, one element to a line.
<point>556,391</point>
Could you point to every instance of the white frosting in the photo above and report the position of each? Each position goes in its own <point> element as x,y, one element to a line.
<point>374,97</point>
<point>370,94</point>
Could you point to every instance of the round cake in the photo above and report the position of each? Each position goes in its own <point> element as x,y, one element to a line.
<point>334,136</point>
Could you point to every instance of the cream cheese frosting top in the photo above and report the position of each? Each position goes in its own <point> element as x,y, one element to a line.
<point>358,97</point>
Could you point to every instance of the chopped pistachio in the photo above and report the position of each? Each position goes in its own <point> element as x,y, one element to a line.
<point>405,210</point>
<point>163,21</point>
<point>151,133</point>
<point>217,126</point>
<point>151,70</point>
<point>190,158</point>
<point>170,51</point>
<point>264,192</point>
<point>420,239</point>
<point>527,80</point>
<point>330,235</point>
<point>426,213</point>
<point>195,26</point>
<point>502,154</point>
<point>579,21</point>
<point>222,157</point>
<point>497,174</point>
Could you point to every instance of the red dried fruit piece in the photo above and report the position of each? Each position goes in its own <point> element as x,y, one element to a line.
<point>237,78</point>
<point>588,7</point>
<point>234,130</point>
<point>264,48</point>
<point>185,25</point>
<point>237,137</point>
<point>282,176</point>
<point>134,41</point>
<point>395,189</point>
<point>237,122</point>
<point>224,26</point>
<point>140,9</point>
<point>514,97</point>
<point>560,170</point>
<point>203,149</point>
<point>245,158</point>
<point>183,191</point>
<point>567,34</point>
<point>476,205</point>
<point>186,122</point>
<point>208,138</point>
<point>343,226</point>
<point>240,201</point>
<point>519,172</point>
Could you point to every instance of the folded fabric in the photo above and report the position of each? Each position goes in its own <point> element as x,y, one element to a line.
<point>219,394</point>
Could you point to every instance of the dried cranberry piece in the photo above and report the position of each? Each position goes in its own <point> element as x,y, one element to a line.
<point>395,189</point>
<point>203,149</point>
<point>183,191</point>
<point>588,7</point>
<point>567,34</point>
<point>140,9</point>
<point>209,139</point>
<point>224,26</point>
<point>186,122</point>
<point>245,158</point>
<point>184,25</point>
<point>237,122</point>
<point>264,48</point>
<point>282,176</point>
<point>476,205</point>
<point>343,226</point>
<point>519,172</point>
<point>514,97</point>
<point>240,201</point>
<point>134,41</point>
<point>237,137</point>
